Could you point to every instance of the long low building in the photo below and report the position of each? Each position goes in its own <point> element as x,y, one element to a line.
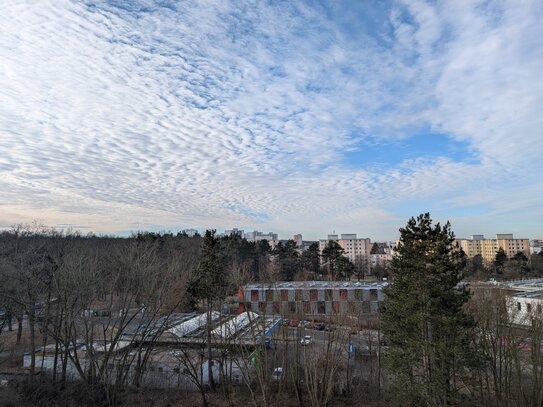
<point>173,347</point>
<point>311,299</point>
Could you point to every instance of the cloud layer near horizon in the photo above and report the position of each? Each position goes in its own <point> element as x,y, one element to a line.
<point>156,114</point>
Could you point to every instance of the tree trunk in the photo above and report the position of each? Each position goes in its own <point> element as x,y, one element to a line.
<point>32,327</point>
<point>209,352</point>
<point>19,328</point>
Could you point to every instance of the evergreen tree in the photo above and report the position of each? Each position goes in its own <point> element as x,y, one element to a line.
<point>288,257</point>
<point>208,284</point>
<point>345,268</point>
<point>209,279</point>
<point>519,263</point>
<point>310,259</point>
<point>332,255</point>
<point>500,260</point>
<point>423,318</point>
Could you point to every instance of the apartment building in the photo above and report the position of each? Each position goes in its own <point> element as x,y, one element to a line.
<point>352,245</point>
<point>253,236</point>
<point>488,248</point>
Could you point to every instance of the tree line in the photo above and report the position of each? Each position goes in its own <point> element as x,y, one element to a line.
<point>442,340</point>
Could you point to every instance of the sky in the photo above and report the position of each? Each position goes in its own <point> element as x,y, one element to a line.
<point>294,117</point>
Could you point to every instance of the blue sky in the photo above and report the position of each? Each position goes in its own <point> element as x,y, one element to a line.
<point>295,117</point>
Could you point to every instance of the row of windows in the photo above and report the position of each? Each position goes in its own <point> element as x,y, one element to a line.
<point>158,369</point>
<point>529,307</point>
<point>272,295</point>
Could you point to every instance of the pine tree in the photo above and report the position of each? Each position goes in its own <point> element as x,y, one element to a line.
<point>423,319</point>
<point>500,260</point>
<point>331,255</point>
<point>208,283</point>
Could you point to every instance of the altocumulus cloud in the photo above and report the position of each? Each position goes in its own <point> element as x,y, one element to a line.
<point>217,114</point>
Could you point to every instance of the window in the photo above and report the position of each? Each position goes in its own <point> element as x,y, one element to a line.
<point>292,307</point>
<point>176,370</point>
<point>321,307</point>
<point>276,308</point>
<point>529,307</point>
<point>519,306</point>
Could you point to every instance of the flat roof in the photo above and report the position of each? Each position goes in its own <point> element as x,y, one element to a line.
<point>315,284</point>
<point>534,284</point>
<point>530,294</point>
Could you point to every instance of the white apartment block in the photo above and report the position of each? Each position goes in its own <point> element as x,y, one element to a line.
<point>352,245</point>
<point>253,236</point>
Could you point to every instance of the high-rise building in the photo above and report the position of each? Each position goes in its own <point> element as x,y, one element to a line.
<point>299,240</point>
<point>234,232</point>
<point>352,245</point>
<point>487,248</point>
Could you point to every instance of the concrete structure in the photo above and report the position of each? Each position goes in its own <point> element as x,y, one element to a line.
<point>352,245</point>
<point>487,248</point>
<point>525,306</point>
<point>525,300</point>
<point>311,299</point>
<point>536,246</point>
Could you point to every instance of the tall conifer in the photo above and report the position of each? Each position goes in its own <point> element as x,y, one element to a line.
<point>423,318</point>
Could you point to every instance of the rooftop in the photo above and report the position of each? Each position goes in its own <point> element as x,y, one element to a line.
<point>316,284</point>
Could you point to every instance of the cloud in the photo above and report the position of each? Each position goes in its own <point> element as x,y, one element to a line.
<point>218,114</point>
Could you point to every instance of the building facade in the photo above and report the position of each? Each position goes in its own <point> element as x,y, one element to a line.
<point>487,248</point>
<point>353,246</point>
<point>311,299</point>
